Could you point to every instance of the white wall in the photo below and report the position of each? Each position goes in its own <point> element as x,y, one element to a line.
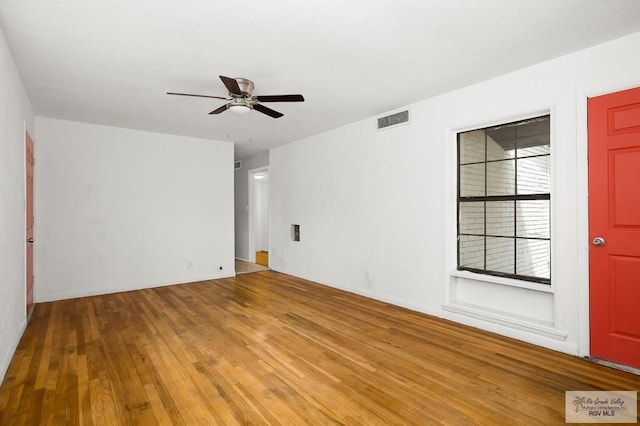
<point>377,209</point>
<point>15,115</point>
<point>241,190</point>
<point>121,209</point>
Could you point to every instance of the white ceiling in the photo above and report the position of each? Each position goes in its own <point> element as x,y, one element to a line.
<point>111,61</point>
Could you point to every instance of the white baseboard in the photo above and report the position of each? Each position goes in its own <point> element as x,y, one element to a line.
<point>97,292</point>
<point>10,350</point>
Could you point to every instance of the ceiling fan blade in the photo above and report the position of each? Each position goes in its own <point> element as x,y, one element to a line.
<point>265,110</point>
<point>223,108</point>
<point>231,84</point>
<point>198,96</point>
<point>280,98</point>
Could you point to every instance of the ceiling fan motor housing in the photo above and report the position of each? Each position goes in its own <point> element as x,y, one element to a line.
<point>240,101</point>
<point>246,87</point>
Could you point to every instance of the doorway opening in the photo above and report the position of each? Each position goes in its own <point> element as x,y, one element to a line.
<point>258,206</point>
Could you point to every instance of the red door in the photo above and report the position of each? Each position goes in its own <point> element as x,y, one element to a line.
<point>30,162</point>
<point>614,226</point>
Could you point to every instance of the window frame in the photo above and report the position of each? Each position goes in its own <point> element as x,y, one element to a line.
<point>546,196</point>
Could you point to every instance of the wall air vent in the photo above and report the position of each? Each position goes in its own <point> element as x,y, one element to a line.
<point>395,119</point>
<point>237,165</point>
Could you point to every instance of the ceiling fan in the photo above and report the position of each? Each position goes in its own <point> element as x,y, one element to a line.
<point>242,99</point>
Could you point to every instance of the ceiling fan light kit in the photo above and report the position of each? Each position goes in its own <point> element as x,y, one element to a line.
<point>242,99</point>
<point>240,109</point>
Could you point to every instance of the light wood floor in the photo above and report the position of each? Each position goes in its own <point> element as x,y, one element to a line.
<point>267,348</point>
<point>244,267</point>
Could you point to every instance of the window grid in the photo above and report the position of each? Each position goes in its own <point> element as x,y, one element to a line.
<point>517,236</point>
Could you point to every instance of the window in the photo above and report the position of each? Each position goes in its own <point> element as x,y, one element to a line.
<point>504,200</point>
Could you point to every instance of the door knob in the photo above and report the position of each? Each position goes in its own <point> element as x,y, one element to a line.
<point>29,240</point>
<point>598,241</point>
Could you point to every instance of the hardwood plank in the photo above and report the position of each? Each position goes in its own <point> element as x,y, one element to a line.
<point>267,348</point>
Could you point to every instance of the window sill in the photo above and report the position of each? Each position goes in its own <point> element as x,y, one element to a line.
<point>544,288</point>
